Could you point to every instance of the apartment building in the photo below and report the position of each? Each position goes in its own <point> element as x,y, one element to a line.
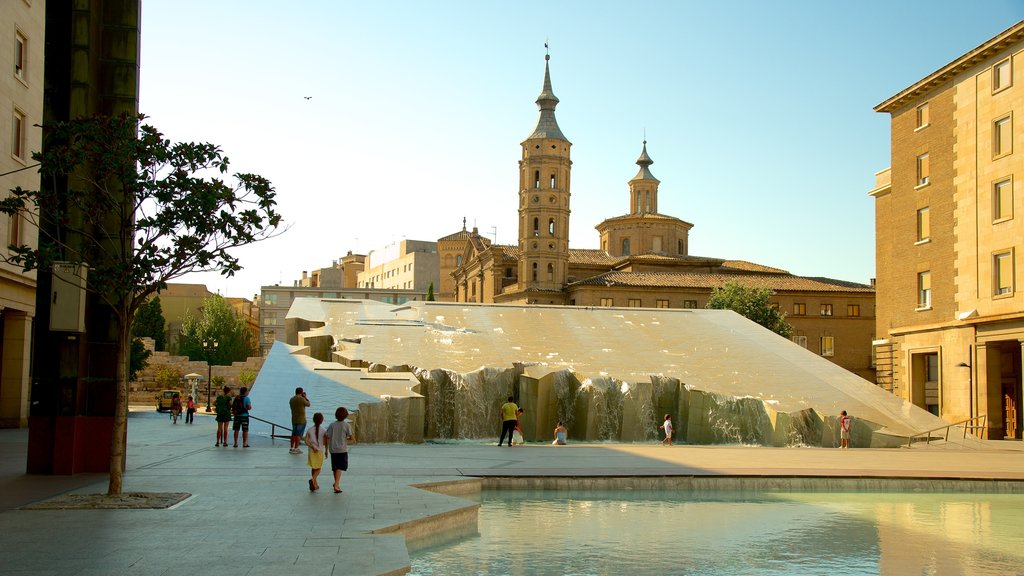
<point>949,227</point>
<point>21,111</point>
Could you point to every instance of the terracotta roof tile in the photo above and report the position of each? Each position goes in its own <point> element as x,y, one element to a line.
<point>775,282</point>
<point>752,267</point>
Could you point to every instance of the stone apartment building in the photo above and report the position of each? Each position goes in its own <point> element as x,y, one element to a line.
<point>949,227</point>
<point>21,99</point>
<point>643,260</point>
<point>404,265</point>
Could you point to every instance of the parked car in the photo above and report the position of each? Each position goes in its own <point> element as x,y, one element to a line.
<point>163,400</point>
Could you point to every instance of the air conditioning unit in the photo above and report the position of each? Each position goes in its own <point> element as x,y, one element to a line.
<point>67,297</point>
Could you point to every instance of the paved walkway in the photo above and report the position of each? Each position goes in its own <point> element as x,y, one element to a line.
<point>251,512</point>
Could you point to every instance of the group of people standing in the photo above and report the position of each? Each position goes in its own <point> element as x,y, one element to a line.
<point>190,407</point>
<point>321,440</point>
<point>228,408</point>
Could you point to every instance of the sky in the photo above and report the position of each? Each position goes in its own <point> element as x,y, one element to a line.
<point>386,120</point>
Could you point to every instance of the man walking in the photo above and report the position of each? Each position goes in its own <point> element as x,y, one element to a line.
<point>298,404</point>
<point>240,406</point>
<point>508,420</point>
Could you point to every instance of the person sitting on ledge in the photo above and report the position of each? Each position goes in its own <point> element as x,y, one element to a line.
<point>560,435</point>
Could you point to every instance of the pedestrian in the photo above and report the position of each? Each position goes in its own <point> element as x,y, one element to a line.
<point>844,429</point>
<point>508,420</point>
<point>241,406</point>
<point>175,407</point>
<point>560,435</point>
<point>223,409</point>
<point>315,458</point>
<point>339,434</point>
<point>190,410</point>
<point>298,404</point>
<point>667,426</point>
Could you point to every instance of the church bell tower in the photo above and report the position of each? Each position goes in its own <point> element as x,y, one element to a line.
<point>544,172</point>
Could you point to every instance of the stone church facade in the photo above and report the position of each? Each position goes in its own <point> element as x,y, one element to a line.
<point>643,261</point>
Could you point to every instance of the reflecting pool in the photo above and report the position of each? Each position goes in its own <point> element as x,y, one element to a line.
<point>743,533</point>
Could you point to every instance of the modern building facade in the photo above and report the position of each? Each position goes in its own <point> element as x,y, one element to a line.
<point>21,102</point>
<point>643,261</point>
<point>949,229</point>
<point>404,265</point>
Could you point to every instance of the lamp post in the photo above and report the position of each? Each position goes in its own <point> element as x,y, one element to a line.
<point>209,346</point>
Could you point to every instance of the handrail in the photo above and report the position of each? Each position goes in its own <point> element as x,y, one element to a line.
<point>273,427</point>
<point>963,423</point>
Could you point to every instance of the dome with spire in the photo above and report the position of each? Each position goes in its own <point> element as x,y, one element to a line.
<point>644,161</point>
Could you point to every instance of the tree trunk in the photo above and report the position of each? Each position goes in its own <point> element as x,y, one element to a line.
<point>119,435</point>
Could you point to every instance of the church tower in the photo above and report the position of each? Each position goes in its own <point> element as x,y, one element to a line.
<point>544,202</point>
<point>643,188</point>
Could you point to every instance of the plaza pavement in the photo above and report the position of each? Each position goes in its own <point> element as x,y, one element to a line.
<point>251,512</point>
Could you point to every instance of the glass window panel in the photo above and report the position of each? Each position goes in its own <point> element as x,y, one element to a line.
<point>924,229</point>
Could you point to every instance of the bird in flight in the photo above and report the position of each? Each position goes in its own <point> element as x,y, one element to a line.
<point>307,97</point>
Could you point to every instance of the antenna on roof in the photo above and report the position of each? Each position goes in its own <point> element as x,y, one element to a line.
<point>494,233</point>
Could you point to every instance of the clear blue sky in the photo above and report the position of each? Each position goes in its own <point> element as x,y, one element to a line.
<point>758,114</point>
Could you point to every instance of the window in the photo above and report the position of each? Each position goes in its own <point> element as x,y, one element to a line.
<point>270,298</point>
<point>828,346</point>
<point>14,238</point>
<point>825,310</point>
<point>551,227</point>
<point>1002,267</point>
<point>924,290</point>
<point>536,226</point>
<point>1002,136</point>
<point>20,56</point>
<point>1002,200</point>
<point>625,246</point>
<point>799,309</point>
<point>801,340</point>
<point>1001,75</point>
<point>853,310</point>
<point>458,261</point>
<point>922,169</point>
<point>269,319</point>
<point>533,274</point>
<point>508,272</point>
<point>607,302</point>
<point>924,226</point>
<point>633,303</point>
<point>552,184</point>
<point>551,272</point>
<point>18,136</point>
<point>922,115</point>
<point>689,303</point>
<point>536,179</point>
<point>661,303</point>
<point>679,245</point>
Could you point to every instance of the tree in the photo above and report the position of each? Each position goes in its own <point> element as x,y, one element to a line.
<point>752,302</point>
<point>246,377</point>
<point>430,292</point>
<point>136,211</point>
<point>167,377</point>
<point>219,324</point>
<point>149,322</point>
<point>139,359</point>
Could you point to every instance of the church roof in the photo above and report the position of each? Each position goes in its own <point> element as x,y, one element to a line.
<point>775,282</point>
<point>460,235</point>
<point>645,216</point>
<point>644,161</point>
<point>547,126</point>
<point>591,256</point>
<point>505,252</point>
<point>751,267</point>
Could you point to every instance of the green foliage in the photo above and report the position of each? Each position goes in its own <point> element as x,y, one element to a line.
<point>430,292</point>
<point>139,359</point>
<point>149,321</point>
<point>167,377</point>
<point>246,377</point>
<point>752,302</point>
<point>217,382</point>
<point>139,211</point>
<point>219,324</point>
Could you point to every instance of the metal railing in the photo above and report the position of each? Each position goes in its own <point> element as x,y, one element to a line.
<point>962,424</point>
<point>274,427</point>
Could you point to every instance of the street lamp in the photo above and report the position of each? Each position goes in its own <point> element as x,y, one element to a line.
<point>209,346</point>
